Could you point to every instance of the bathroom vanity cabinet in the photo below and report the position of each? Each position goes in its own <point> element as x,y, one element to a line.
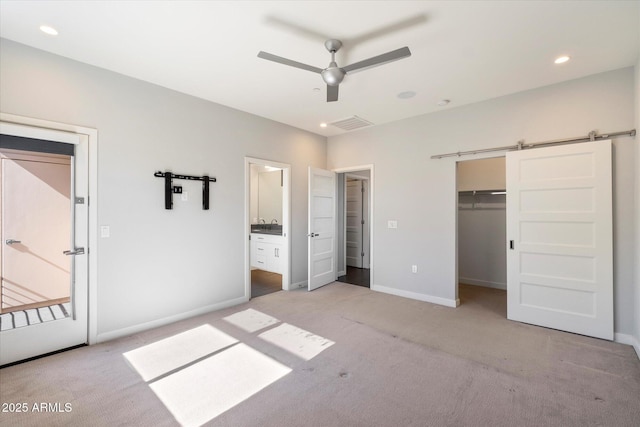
<point>267,252</point>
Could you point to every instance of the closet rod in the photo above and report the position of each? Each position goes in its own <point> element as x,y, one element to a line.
<point>592,136</point>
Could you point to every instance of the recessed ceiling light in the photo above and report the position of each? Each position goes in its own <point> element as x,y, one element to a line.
<point>323,125</point>
<point>48,30</point>
<point>562,59</point>
<point>406,95</point>
<point>443,102</point>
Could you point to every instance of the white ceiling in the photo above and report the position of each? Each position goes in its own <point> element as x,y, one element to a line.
<point>465,51</point>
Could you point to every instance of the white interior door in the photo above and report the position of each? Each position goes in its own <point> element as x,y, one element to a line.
<point>322,220</point>
<point>354,222</point>
<point>41,335</point>
<point>559,222</point>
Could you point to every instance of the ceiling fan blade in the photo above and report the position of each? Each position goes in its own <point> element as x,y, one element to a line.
<point>332,93</point>
<point>285,61</point>
<point>394,55</point>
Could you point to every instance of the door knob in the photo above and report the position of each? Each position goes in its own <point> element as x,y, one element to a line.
<point>11,241</point>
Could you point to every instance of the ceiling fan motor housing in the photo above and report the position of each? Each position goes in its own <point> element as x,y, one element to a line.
<point>333,75</point>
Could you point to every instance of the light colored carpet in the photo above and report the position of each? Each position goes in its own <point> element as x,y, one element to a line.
<point>393,362</point>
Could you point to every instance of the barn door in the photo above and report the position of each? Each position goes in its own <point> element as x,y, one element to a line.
<point>559,231</point>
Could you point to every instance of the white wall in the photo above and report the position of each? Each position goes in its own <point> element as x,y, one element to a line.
<point>420,193</point>
<point>482,174</point>
<point>161,263</point>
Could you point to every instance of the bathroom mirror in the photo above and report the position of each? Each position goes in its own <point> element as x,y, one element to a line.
<point>266,200</point>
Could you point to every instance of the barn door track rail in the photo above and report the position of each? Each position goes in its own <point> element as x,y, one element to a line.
<point>592,136</point>
<point>169,189</point>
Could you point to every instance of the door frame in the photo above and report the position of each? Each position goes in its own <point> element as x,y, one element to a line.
<point>286,220</point>
<point>371,179</point>
<point>38,128</point>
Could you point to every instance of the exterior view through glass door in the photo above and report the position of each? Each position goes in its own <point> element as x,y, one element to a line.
<point>43,303</point>
<point>36,225</point>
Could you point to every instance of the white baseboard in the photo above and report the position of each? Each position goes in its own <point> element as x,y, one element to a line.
<point>342,273</point>
<point>629,340</point>
<point>485,283</point>
<point>299,285</point>
<point>414,295</point>
<point>130,330</point>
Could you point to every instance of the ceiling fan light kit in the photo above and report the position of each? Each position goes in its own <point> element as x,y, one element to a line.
<point>333,75</point>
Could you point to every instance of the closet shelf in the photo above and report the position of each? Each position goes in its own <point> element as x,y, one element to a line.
<point>482,200</point>
<point>482,193</point>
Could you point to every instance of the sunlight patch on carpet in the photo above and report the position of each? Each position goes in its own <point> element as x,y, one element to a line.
<point>297,341</point>
<point>251,320</point>
<point>171,353</point>
<point>201,392</point>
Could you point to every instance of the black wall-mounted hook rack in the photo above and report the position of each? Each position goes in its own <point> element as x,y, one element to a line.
<point>169,189</point>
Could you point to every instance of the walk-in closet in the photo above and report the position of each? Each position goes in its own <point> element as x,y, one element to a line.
<point>481,224</point>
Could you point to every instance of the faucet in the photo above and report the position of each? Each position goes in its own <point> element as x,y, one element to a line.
<point>262,221</point>
<point>274,220</point>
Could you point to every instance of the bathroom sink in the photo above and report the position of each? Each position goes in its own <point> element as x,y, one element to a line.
<point>267,229</point>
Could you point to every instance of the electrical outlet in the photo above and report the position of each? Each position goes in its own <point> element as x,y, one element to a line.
<point>414,268</point>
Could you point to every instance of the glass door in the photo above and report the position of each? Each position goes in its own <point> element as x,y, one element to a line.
<point>44,218</point>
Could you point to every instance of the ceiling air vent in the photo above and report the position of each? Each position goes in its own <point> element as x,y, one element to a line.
<point>351,123</point>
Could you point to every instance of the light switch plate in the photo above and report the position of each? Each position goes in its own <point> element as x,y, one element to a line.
<point>392,224</point>
<point>104,231</point>
<point>184,196</point>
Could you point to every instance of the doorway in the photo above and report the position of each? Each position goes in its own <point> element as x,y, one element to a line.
<point>354,225</point>
<point>481,233</point>
<point>267,213</point>
<point>45,237</point>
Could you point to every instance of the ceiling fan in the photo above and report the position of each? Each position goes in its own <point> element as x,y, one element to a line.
<point>333,75</point>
